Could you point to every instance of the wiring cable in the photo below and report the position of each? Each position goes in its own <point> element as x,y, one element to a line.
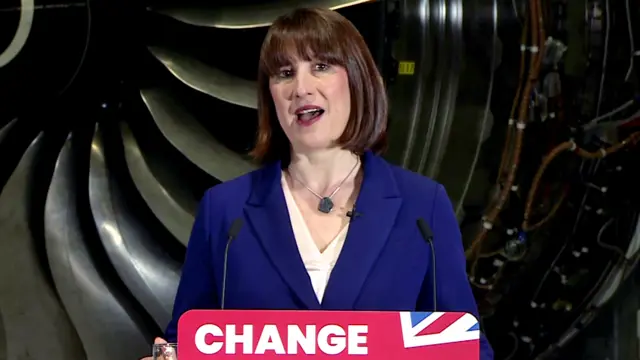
<point>604,245</point>
<point>589,309</point>
<point>514,351</point>
<point>592,302</point>
<point>599,119</point>
<point>514,106</point>
<point>515,11</point>
<point>485,116</point>
<point>630,121</point>
<point>562,249</point>
<point>608,268</point>
<point>632,139</point>
<point>561,148</point>
<point>632,49</point>
<point>602,152</point>
<point>623,264</point>
<point>559,254</point>
<point>537,40</point>
<point>474,251</point>
<point>605,56</point>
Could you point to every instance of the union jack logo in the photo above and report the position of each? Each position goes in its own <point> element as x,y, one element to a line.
<point>434,328</point>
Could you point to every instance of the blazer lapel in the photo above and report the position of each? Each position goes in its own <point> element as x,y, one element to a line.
<point>378,203</point>
<point>268,214</point>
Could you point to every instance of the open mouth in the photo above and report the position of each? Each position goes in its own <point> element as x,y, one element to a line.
<point>309,114</point>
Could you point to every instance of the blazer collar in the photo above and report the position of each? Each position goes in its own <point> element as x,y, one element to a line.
<point>378,203</point>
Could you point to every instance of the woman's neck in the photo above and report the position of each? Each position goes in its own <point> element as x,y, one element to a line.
<point>323,170</point>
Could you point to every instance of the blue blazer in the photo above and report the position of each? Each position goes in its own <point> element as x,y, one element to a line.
<point>385,264</point>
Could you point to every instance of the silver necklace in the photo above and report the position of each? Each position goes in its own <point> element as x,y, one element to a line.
<point>326,204</point>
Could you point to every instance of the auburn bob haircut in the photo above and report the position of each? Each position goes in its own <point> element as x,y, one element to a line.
<point>323,35</point>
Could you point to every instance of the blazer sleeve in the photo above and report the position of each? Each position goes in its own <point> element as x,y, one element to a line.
<point>196,289</point>
<point>453,291</point>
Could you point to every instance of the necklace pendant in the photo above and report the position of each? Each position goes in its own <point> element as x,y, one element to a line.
<point>325,205</point>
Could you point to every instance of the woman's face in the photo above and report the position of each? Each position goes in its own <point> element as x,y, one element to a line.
<point>313,103</point>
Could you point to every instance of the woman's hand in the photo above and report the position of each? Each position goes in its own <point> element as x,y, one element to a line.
<point>160,341</point>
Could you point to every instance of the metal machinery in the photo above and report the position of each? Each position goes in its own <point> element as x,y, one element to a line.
<point>115,117</point>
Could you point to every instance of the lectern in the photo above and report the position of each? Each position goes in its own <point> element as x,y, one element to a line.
<point>378,335</point>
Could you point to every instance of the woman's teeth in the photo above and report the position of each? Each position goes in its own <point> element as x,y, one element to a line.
<point>310,114</point>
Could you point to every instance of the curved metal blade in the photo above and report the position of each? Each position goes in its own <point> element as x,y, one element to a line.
<point>5,129</point>
<point>149,273</point>
<point>207,79</point>
<point>37,323</point>
<point>86,297</point>
<point>191,139</point>
<point>249,16</point>
<point>161,200</point>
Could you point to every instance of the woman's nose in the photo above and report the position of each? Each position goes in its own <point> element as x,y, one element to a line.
<point>303,84</point>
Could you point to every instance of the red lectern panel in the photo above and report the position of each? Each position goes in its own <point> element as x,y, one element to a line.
<point>253,334</point>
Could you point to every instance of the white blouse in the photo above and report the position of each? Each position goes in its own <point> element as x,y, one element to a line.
<point>318,264</point>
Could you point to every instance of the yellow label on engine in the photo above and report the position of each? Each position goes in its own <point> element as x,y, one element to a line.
<point>406,68</point>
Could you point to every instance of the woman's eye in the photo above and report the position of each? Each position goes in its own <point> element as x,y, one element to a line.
<point>285,73</point>
<point>322,67</point>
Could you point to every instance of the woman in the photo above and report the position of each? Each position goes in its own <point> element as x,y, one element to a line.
<point>328,224</point>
